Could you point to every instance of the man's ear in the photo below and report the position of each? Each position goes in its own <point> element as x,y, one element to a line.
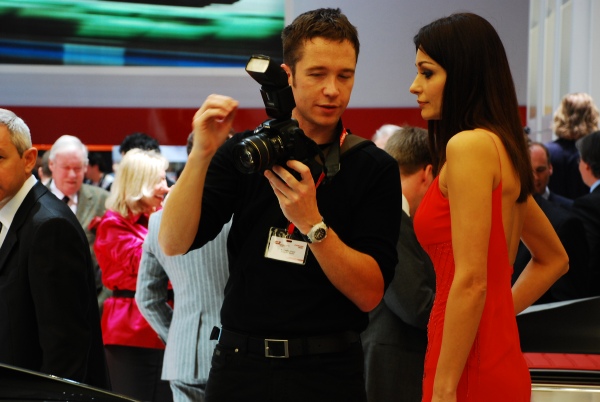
<point>288,71</point>
<point>585,165</point>
<point>549,168</point>
<point>428,174</point>
<point>30,158</point>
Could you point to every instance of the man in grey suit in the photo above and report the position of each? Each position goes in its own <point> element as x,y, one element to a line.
<point>396,339</point>
<point>198,280</point>
<point>68,161</point>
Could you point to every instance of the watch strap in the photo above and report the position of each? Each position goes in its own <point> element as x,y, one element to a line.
<point>305,237</point>
<point>316,227</point>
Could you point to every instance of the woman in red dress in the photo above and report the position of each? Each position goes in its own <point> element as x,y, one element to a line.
<point>473,215</point>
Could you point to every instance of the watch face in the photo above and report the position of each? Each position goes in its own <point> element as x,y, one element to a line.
<point>320,234</point>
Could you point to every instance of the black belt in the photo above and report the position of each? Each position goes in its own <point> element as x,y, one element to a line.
<point>130,294</point>
<point>285,348</point>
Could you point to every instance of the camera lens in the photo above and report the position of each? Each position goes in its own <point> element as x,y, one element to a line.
<point>247,159</point>
<point>253,154</point>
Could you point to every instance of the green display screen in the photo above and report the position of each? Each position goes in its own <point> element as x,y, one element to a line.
<point>177,33</point>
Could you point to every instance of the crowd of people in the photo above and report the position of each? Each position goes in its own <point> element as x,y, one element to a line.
<point>395,276</point>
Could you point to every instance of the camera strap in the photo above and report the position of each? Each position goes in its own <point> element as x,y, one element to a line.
<point>332,161</point>
<point>329,164</point>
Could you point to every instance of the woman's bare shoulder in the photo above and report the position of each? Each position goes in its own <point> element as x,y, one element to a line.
<point>477,145</point>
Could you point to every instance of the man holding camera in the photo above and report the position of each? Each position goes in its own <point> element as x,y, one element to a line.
<point>309,253</point>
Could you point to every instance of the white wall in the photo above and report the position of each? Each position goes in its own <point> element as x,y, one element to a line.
<point>385,69</point>
<point>386,29</point>
<point>595,44</point>
<point>564,58</point>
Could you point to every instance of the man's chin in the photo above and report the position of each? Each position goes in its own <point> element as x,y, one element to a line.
<point>328,121</point>
<point>71,189</point>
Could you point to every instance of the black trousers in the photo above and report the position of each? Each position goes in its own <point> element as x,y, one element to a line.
<point>135,372</point>
<point>236,376</point>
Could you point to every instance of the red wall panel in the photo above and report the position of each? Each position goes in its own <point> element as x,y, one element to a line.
<point>100,128</point>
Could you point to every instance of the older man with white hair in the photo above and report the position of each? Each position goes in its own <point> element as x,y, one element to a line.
<point>68,161</point>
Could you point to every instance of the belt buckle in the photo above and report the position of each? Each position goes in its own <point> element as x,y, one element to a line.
<point>286,351</point>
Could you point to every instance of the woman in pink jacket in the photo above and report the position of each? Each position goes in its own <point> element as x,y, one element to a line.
<point>134,351</point>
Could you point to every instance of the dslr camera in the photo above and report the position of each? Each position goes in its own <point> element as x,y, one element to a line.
<point>278,139</point>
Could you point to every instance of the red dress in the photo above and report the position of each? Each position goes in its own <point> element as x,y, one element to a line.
<point>496,369</point>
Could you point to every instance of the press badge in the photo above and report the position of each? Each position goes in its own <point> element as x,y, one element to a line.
<point>281,247</point>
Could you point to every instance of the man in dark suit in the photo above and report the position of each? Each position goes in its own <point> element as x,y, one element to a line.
<point>542,171</point>
<point>575,283</point>
<point>587,207</point>
<point>396,339</point>
<point>48,313</point>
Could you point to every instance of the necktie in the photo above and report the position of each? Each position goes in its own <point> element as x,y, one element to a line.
<point>65,199</point>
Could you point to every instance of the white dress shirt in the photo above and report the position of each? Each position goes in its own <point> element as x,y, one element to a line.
<point>8,211</point>
<point>59,194</point>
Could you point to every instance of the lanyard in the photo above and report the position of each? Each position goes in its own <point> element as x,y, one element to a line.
<point>333,166</point>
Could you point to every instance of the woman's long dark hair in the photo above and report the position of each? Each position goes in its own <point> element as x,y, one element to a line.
<point>479,90</point>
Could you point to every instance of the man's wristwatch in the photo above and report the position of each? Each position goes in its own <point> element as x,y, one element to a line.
<point>316,234</point>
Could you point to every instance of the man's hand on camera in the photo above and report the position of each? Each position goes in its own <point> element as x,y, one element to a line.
<point>297,198</point>
<point>212,123</point>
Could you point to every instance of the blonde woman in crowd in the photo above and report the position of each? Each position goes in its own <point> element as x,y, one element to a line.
<point>134,351</point>
<point>575,117</point>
